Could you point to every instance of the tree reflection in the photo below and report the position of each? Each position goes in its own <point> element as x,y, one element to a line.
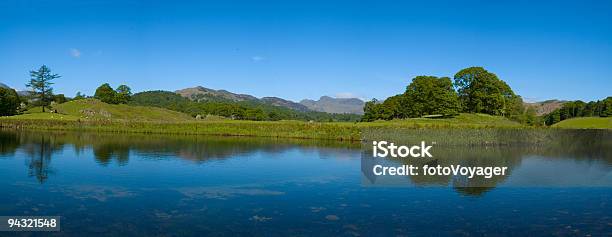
<point>199,149</point>
<point>483,148</point>
<point>9,142</point>
<point>473,191</point>
<point>107,148</point>
<point>105,153</point>
<point>465,156</point>
<point>40,151</point>
<point>39,163</point>
<point>38,147</point>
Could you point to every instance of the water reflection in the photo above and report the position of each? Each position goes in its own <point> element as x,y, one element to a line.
<point>519,150</point>
<point>502,148</point>
<point>39,147</point>
<point>156,185</point>
<point>39,152</point>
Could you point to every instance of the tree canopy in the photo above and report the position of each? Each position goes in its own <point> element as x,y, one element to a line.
<point>106,94</point>
<point>425,95</point>
<point>481,91</point>
<point>428,95</point>
<point>124,94</point>
<point>477,91</point>
<point>9,102</point>
<point>60,98</point>
<point>40,82</point>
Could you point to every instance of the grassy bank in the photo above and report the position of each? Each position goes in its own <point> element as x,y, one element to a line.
<point>288,129</point>
<point>460,121</point>
<point>586,123</point>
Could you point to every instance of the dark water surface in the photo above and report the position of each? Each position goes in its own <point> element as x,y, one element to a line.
<point>154,185</point>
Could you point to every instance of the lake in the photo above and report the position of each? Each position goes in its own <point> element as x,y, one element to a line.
<point>156,185</point>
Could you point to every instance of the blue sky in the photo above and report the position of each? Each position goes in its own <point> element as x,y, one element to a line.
<point>298,50</point>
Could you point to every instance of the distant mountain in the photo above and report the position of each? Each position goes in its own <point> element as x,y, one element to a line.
<point>20,93</point>
<point>25,93</point>
<point>324,104</point>
<point>335,105</point>
<point>284,103</point>
<point>545,107</point>
<point>200,93</point>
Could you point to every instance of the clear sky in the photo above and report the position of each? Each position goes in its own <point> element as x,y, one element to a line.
<point>298,50</point>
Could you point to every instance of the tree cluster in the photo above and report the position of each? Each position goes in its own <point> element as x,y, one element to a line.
<point>106,94</point>
<point>572,109</point>
<point>9,102</point>
<point>473,90</point>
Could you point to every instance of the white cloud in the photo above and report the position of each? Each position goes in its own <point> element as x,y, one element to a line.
<point>257,58</point>
<point>75,53</point>
<point>346,95</point>
<point>531,99</point>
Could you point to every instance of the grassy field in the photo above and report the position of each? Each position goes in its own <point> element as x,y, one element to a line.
<point>586,123</point>
<point>93,109</point>
<point>460,121</point>
<point>93,115</point>
<point>287,129</point>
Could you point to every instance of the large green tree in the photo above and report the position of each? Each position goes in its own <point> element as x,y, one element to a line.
<point>40,82</point>
<point>429,95</point>
<point>370,111</point>
<point>481,91</point>
<point>394,107</point>
<point>425,95</point>
<point>124,94</point>
<point>60,98</point>
<point>106,94</point>
<point>606,107</point>
<point>9,101</point>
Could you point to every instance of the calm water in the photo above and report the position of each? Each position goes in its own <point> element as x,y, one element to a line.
<point>127,185</point>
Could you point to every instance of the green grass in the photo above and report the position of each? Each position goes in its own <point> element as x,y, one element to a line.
<point>586,123</point>
<point>92,109</point>
<point>93,115</point>
<point>45,116</point>
<point>285,129</point>
<point>459,121</point>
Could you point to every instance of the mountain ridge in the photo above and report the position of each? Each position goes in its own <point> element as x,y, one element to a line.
<point>324,104</point>
<point>200,93</point>
<point>546,106</point>
<point>335,105</point>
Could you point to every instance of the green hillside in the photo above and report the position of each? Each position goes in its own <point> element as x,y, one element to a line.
<point>586,122</point>
<point>92,109</point>
<point>241,110</point>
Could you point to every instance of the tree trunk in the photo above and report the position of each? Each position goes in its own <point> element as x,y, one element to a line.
<point>42,100</point>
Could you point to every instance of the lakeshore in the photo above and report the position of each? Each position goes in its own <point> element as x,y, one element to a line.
<point>344,131</point>
<point>350,131</point>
